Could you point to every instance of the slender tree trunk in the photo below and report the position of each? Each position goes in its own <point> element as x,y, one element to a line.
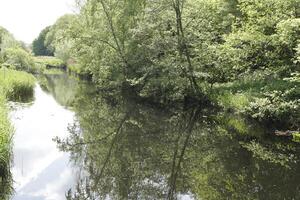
<point>119,49</point>
<point>183,46</point>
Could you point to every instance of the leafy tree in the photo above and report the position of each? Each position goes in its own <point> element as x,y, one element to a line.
<point>6,41</point>
<point>20,59</point>
<point>58,38</point>
<point>170,50</point>
<point>39,46</point>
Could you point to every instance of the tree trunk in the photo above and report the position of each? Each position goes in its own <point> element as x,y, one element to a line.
<point>183,46</point>
<point>118,48</point>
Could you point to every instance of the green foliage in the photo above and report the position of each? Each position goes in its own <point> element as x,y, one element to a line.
<point>16,85</point>
<point>245,52</point>
<point>58,37</point>
<point>169,50</point>
<point>226,40</point>
<point>237,101</point>
<point>20,60</point>
<point>281,108</point>
<point>294,78</point>
<point>14,54</point>
<point>273,102</point>
<point>265,154</point>
<point>39,46</point>
<point>49,62</point>
<point>5,148</point>
<point>264,15</point>
<point>288,31</point>
<point>296,137</point>
<point>7,41</point>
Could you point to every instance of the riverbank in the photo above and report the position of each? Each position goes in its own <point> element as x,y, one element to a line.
<point>18,86</point>
<point>269,99</point>
<point>273,102</point>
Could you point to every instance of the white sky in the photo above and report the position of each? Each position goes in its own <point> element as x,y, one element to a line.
<point>26,18</point>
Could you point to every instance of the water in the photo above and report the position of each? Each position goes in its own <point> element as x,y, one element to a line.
<point>40,170</point>
<point>119,148</point>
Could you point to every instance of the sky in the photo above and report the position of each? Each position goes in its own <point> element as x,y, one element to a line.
<point>26,18</point>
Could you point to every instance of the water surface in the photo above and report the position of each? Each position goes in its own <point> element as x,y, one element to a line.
<point>117,147</point>
<point>40,170</point>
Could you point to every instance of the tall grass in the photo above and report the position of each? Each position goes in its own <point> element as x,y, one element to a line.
<point>5,149</point>
<point>14,85</point>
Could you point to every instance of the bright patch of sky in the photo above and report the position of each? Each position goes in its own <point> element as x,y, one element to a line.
<point>26,18</point>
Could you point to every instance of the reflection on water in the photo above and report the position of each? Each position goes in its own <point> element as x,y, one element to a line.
<point>40,171</point>
<point>61,87</point>
<point>124,149</point>
<point>129,150</point>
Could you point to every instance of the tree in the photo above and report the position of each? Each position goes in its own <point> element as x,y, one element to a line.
<point>39,46</point>
<point>58,38</point>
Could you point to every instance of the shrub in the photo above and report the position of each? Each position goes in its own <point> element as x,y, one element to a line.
<point>278,107</point>
<point>20,59</point>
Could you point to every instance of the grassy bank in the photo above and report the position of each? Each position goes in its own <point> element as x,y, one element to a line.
<point>49,62</point>
<point>14,85</point>
<point>5,148</point>
<point>273,102</point>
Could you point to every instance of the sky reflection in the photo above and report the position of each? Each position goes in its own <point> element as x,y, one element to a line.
<point>40,170</point>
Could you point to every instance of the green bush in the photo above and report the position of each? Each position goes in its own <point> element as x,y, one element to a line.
<point>279,107</point>
<point>296,137</point>
<point>20,59</point>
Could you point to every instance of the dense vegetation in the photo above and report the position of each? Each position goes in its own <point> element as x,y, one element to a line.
<point>14,54</point>
<point>243,55</point>
<point>225,75</point>
<point>39,47</point>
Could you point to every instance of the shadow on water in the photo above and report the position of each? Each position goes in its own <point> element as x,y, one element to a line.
<point>128,150</point>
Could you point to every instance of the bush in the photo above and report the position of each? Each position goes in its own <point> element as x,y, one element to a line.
<point>278,107</point>
<point>20,59</point>
<point>296,137</point>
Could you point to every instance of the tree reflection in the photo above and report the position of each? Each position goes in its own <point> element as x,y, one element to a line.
<point>129,150</point>
<point>61,86</point>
